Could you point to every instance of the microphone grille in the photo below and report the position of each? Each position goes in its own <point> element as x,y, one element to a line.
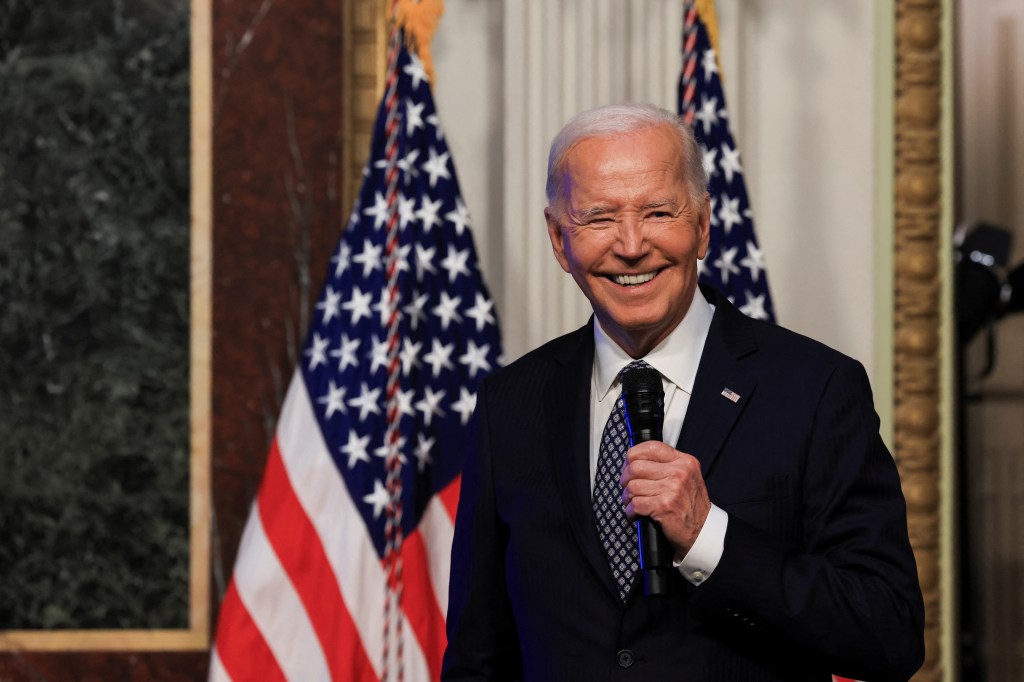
<point>641,380</point>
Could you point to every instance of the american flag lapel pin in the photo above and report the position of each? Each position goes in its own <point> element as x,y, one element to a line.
<point>731,394</point>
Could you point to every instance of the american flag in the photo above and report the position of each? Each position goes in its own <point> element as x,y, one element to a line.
<point>335,580</point>
<point>734,264</point>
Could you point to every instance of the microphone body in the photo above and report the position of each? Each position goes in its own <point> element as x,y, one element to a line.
<point>644,400</point>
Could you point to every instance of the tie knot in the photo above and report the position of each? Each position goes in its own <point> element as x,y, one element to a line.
<point>634,365</point>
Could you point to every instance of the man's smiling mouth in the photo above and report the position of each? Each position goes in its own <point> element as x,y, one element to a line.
<point>633,280</point>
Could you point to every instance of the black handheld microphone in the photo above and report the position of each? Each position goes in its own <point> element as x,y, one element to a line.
<point>644,399</point>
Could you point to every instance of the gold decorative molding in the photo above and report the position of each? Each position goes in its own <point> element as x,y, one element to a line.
<point>363,48</point>
<point>917,317</point>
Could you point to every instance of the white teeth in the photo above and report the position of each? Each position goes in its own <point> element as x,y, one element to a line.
<point>628,280</point>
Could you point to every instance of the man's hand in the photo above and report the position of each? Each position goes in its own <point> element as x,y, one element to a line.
<point>660,482</point>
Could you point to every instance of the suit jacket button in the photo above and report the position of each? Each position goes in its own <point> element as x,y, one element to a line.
<point>625,658</point>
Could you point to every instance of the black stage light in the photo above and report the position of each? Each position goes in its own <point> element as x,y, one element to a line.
<point>982,295</point>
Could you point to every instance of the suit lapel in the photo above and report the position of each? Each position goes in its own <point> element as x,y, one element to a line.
<point>722,388</point>
<point>568,413</point>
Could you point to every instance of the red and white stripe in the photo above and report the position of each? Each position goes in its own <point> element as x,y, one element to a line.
<point>306,601</point>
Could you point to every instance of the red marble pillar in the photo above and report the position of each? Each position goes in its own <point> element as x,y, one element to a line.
<point>277,123</point>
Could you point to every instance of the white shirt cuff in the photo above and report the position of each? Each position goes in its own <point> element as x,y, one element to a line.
<point>703,557</point>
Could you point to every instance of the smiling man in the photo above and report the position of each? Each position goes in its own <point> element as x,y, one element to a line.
<point>777,497</point>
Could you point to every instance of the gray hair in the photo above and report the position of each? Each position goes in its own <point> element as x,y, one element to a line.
<point>618,119</point>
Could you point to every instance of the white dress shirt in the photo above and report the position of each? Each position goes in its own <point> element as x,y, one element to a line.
<point>676,358</point>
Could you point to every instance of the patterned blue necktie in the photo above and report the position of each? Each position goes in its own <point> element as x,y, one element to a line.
<point>618,535</point>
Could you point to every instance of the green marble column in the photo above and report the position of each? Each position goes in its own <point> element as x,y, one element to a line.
<point>94,314</point>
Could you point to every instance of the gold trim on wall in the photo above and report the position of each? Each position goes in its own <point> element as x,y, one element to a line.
<point>197,636</point>
<point>917,320</point>
<point>362,81</point>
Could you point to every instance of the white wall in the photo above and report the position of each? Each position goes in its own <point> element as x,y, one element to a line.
<point>800,82</point>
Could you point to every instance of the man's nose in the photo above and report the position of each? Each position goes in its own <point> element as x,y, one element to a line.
<point>632,243</point>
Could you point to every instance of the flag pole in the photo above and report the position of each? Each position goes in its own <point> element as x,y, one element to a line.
<point>393,617</point>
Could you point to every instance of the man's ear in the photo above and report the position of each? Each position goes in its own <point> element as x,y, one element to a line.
<point>556,237</point>
<point>704,228</point>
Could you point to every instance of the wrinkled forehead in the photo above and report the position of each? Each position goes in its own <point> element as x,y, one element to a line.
<point>640,166</point>
<point>656,144</point>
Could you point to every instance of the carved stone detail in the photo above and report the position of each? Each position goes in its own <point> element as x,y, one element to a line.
<point>917,365</point>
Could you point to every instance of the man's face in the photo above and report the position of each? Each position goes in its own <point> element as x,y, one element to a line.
<point>626,229</point>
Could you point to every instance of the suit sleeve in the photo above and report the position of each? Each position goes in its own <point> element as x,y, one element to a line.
<point>482,642</point>
<point>848,593</point>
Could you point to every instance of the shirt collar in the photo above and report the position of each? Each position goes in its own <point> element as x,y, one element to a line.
<point>676,357</point>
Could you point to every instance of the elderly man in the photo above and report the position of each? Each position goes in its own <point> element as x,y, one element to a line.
<point>779,500</point>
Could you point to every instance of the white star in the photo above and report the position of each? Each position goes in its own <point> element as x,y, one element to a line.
<point>329,305</point>
<point>708,114</point>
<point>335,400</point>
<point>448,310</point>
<point>384,451</point>
<point>410,355</point>
<point>407,164</point>
<point>359,305</point>
<point>465,404</point>
<point>384,307</point>
<point>346,354</point>
<point>379,210</point>
<point>428,213</point>
<point>318,353</point>
<point>754,307</point>
<point>709,63</point>
<point>730,162</point>
<point>475,358</point>
<point>702,267</point>
<point>754,261</point>
<point>729,213</point>
<point>415,69</point>
<point>379,498</point>
<point>415,310</point>
<point>725,264</point>
<point>425,261</point>
<point>341,260</point>
<point>436,122</point>
<point>405,402</point>
<point>369,258</point>
<point>430,406</point>
<point>402,262</point>
<point>406,211</point>
<point>439,356</point>
<point>356,448</point>
<point>422,451</point>
<point>709,162</point>
<point>436,167</point>
<point>455,262</point>
<point>366,402</point>
<point>481,312</point>
<point>459,217</point>
<point>379,355</point>
<point>413,116</point>
<point>714,214</point>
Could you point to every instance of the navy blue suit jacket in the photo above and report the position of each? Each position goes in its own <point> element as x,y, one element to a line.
<point>817,575</point>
